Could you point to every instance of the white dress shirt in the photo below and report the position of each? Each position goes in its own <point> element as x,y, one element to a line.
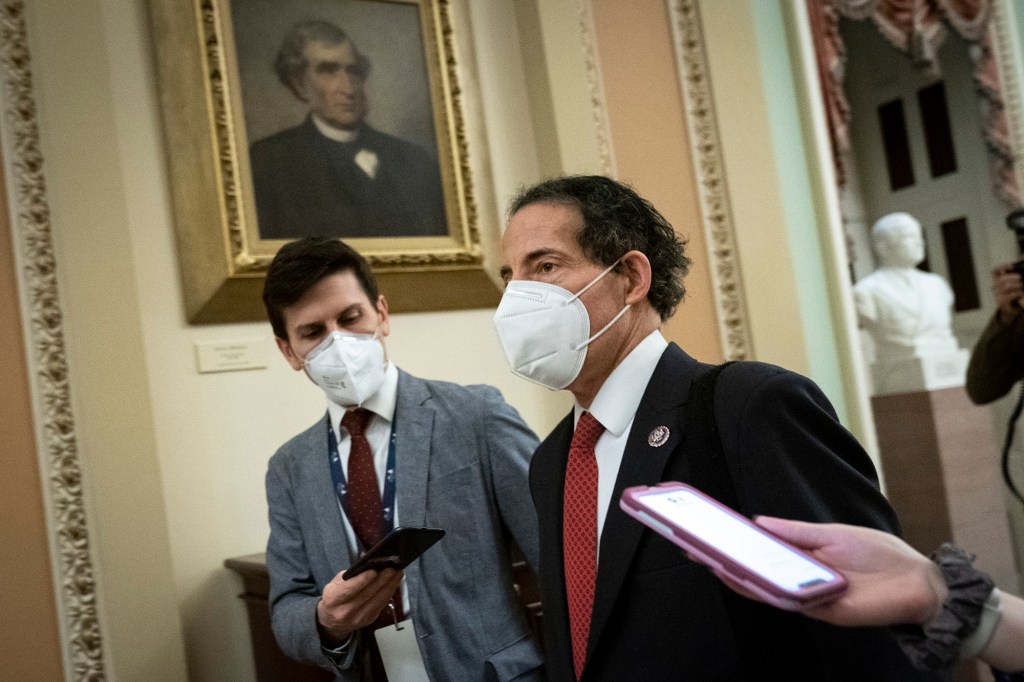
<point>366,159</point>
<point>615,407</point>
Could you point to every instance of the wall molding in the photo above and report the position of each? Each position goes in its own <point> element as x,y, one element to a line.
<point>1007,53</point>
<point>709,174</point>
<point>595,86</point>
<point>70,542</point>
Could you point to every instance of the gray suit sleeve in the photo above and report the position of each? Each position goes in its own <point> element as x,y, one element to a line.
<point>293,591</point>
<point>510,445</point>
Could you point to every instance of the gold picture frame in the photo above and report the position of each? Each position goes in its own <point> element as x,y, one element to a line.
<point>215,102</point>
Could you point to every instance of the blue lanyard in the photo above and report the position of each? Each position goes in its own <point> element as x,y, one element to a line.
<point>341,485</point>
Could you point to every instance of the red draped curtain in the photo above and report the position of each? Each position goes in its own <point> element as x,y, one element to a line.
<point>916,28</point>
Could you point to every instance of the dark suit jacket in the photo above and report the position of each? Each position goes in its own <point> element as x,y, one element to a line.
<point>997,361</point>
<point>308,185</point>
<point>659,616</point>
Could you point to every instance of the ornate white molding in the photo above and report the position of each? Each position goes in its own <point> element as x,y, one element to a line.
<point>1007,53</point>
<point>709,171</point>
<point>595,86</point>
<point>81,635</point>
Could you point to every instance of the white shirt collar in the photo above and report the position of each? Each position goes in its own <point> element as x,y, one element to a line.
<point>332,133</point>
<point>382,403</point>
<point>619,396</point>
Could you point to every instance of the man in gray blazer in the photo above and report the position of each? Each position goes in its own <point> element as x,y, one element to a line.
<point>444,456</point>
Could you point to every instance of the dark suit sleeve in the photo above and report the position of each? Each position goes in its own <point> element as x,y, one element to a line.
<point>509,446</point>
<point>997,361</point>
<point>293,591</point>
<point>790,457</point>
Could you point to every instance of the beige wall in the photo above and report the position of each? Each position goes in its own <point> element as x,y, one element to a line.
<point>649,136</point>
<point>751,173</point>
<point>652,150</point>
<point>173,459</point>
<point>26,596</point>
<point>110,384</point>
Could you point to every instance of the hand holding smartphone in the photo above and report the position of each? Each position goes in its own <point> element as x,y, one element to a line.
<point>716,536</point>
<point>397,549</point>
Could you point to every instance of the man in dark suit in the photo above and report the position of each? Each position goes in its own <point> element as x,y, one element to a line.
<point>415,452</point>
<point>591,272</point>
<point>334,175</point>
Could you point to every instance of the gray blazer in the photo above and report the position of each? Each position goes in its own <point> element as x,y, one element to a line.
<point>462,459</point>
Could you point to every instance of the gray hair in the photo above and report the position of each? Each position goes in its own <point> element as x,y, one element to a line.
<point>615,220</point>
<point>291,58</point>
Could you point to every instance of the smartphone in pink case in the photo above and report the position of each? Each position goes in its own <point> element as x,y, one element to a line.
<point>717,536</point>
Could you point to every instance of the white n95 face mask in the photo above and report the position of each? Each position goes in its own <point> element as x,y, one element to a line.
<point>348,367</point>
<point>545,330</point>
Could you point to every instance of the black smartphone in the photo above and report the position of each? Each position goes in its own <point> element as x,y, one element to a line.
<point>397,549</point>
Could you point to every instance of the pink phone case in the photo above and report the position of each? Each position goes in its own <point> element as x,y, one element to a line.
<point>707,554</point>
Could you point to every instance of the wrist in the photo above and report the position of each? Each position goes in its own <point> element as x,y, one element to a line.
<point>935,592</point>
<point>991,614</point>
<point>935,642</point>
<point>331,635</point>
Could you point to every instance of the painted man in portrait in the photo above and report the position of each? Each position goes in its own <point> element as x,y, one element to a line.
<point>333,174</point>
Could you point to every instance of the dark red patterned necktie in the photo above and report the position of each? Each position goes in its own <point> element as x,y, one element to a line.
<point>579,533</point>
<point>365,512</point>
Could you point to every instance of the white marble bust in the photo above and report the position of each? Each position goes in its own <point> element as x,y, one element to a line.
<point>906,311</point>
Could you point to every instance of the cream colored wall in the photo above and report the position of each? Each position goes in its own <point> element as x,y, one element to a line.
<point>174,459</point>
<point>107,354</point>
<point>26,595</point>
<point>574,129</point>
<point>751,174</point>
<point>652,150</point>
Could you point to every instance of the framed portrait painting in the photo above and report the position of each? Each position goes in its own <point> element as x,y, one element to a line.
<point>336,118</point>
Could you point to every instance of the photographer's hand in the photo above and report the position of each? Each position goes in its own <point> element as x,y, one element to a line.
<point>1009,291</point>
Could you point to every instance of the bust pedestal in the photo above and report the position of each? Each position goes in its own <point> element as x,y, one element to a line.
<point>921,373</point>
<point>941,470</point>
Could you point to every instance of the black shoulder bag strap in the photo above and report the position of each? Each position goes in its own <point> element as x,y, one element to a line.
<point>710,471</point>
<point>770,642</point>
<point>1007,442</point>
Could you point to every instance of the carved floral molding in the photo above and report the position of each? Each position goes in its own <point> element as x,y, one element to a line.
<point>82,638</point>
<point>709,171</point>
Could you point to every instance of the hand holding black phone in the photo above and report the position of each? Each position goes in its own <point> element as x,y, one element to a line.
<point>397,549</point>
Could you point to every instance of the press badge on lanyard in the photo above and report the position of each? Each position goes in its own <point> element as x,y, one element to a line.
<point>400,652</point>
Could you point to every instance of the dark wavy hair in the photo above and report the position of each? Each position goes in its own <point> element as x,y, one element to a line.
<point>615,220</point>
<point>300,265</point>
<point>291,58</point>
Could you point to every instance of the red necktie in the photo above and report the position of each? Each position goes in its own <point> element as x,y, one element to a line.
<point>579,533</point>
<point>365,512</point>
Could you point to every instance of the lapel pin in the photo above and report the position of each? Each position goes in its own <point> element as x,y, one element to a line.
<point>658,436</point>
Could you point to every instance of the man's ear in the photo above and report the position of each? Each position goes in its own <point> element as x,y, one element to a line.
<point>299,89</point>
<point>385,319</point>
<point>286,350</point>
<point>637,269</point>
